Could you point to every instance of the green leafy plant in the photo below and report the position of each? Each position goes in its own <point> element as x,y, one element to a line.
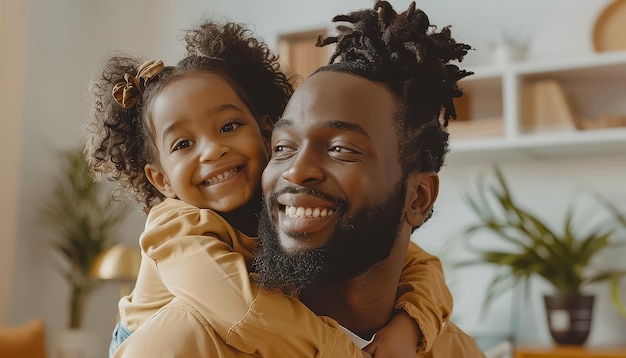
<point>82,218</point>
<point>563,259</point>
<point>619,218</point>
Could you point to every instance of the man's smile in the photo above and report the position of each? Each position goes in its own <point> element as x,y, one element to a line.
<point>302,212</point>
<point>305,219</point>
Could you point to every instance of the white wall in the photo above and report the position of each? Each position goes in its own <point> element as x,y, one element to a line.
<point>69,39</point>
<point>13,34</point>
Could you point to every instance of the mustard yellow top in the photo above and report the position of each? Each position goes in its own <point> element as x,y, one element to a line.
<point>194,276</point>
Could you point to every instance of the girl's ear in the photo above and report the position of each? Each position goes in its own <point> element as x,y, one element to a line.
<point>158,178</point>
<point>266,125</point>
<point>422,191</point>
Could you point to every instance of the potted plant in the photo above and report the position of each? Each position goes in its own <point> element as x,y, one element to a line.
<point>82,218</point>
<point>563,259</point>
<point>619,218</point>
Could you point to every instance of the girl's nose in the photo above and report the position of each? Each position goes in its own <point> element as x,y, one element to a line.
<point>213,151</point>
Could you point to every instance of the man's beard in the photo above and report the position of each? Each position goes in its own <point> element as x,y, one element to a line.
<point>356,246</point>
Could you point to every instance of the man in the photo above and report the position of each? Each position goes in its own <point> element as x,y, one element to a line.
<point>336,177</point>
<point>354,170</point>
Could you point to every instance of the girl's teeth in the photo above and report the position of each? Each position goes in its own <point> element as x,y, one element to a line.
<point>221,177</point>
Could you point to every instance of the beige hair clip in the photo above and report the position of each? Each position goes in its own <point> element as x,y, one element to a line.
<point>128,92</point>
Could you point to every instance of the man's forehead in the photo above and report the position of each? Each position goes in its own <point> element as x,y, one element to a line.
<point>341,101</point>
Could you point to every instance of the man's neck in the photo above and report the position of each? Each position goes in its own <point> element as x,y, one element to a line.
<point>363,304</point>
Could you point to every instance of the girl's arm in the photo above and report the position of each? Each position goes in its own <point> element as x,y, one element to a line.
<point>192,252</point>
<point>424,306</point>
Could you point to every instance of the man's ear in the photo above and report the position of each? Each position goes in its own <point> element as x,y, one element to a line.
<point>422,191</point>
<point>267,126</point>
<point>157,178</point>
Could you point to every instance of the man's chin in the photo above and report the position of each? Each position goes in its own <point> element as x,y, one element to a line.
<point>343,253</point>
<point>293,244</point>
<point>284,262</point>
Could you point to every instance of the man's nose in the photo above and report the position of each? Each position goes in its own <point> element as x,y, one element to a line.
<point>212,150</point>
<point>306,168</point>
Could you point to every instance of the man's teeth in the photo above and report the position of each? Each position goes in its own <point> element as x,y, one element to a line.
<point>221,177</point>
<point>300,212</point>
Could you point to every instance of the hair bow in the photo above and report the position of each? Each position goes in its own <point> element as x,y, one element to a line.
<point>128,92</point>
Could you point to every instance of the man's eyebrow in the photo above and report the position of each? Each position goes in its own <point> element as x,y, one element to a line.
<point>334,124</point>
<point>283,122</point>
<point>353,127</point>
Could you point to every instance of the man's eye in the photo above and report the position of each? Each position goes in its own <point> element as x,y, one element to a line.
<point>283,149</point>
<point>181,144</point>
<point>230,127</point>
<point>339,149</point>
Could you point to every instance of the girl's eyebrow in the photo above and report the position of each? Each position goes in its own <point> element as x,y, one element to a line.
<point>226,107</point>
<point>168,130</point>
<point>222,108</point>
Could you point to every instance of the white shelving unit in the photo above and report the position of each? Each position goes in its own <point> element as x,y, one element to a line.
<point>594,86</point>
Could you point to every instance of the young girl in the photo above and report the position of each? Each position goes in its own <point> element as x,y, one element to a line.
<point>190,143</point>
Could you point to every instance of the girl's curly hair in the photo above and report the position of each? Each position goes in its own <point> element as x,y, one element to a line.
<point>405,52</point>
<point>120,140</point>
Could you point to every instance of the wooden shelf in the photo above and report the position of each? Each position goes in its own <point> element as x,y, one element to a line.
<point>571,352</point>
<point>594,86</point>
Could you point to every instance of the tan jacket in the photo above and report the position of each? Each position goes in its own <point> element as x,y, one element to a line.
<point>206,305</point>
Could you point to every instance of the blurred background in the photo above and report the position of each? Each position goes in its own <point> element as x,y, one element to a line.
<point>51,49</point>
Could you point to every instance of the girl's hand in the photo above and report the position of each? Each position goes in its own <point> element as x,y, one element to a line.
<point>398,339</point>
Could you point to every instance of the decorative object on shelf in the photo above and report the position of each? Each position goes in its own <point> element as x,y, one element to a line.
<point>462,108</point>
<point>601,123</point>
<point>512,48</point>
<point>593,85</point>
<point>545,108</point>
<point>476,128</point>
<point>610,27</point>
<point>299,57</point>
<point>562,259</point>
<point>119,263</point>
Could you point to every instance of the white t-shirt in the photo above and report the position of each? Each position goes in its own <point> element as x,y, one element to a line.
<point>360,342</point>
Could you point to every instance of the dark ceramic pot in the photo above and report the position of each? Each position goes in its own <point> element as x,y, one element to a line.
<point>569,317</point>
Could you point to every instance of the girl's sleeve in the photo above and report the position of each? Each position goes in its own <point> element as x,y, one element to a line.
<point>424,295</point>
<point>193,255</point>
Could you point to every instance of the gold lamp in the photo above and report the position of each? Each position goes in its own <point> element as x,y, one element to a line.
<point>119,263</point>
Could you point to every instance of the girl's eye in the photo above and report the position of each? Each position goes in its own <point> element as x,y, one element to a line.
<point>230,127</point>
<point>181,144</point>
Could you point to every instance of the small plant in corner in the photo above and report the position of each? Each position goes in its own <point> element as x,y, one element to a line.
<point>82,218</point>
<point>564,259</point>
